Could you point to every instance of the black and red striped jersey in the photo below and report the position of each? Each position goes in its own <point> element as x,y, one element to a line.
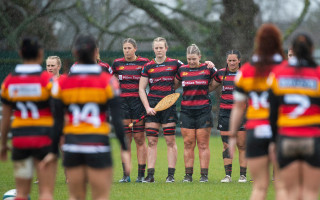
<point>295,100</point>
<point>226,78</point>
<point>195,84</point>
<point>105,66</point>
<point>27,91</point>
<point>161,76</point>
<point>129,74</point>
<point>256,89</point>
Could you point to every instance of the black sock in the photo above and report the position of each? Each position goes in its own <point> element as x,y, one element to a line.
<point>204,171</point>
<point>228,169</point>
<point>124,170</point>
<point>171,171</point>
<point>243,171</point>
<point>141,170</point>
<point>189,171</point>
<point>151,171</point>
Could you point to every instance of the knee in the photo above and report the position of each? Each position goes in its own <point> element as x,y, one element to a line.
<point>171,143</point>
<point>140,141</point>
<point>203,146</point>
<point>152,143</point>
<point>241,146</point>
<point>189,145</point>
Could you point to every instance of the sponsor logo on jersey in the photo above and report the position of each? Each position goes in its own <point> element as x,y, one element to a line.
<point>25,90</point>
<point>129,77</point>
<point>298,83</point>
<point>227,88</point>
<point>188,83</point>
<point>169,69</point>
<point>155,80</point>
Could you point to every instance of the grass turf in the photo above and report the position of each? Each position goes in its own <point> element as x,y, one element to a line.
<point>159,190</point>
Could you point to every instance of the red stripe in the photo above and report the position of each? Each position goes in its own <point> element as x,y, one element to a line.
<point>226,106</point>
<point>251,124</point>
<point>129,86</point>
<point>195,102</point>
<point>161,88</point>
<point>88,81</point>
<point>129,94</point>
<point>26,142</point>
<point>42,113</point>
<point>195,92</point>
<point>312,110</point>
<point>227,96</point>
<point>300,131</point>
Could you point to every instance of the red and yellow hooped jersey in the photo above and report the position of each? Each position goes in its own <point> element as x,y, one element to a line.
<point>296,91</point>
<point>27,91</point>
<point>85,93</point>
<point>256,89</point>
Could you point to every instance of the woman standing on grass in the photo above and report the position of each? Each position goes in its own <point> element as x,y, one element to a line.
<point>85,95</point>
<point>26,94</point>
<point>196,118</point>
<point>251,86</point>
<point>295,121</point>
<point>128,71</point>
<point>225,77</point>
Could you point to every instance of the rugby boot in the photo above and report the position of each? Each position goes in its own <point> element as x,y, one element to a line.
<point>125,179</point>
<point>149,179</point>
<point>203,178</point>
<point>139,179</point>
<point>242,179</point>
<point>170,179</point>
<point>187,178</point>
<point>226,179</point>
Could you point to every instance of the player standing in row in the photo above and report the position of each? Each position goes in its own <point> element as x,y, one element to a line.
<point>196,119</point>
<point>26,94</point>
<point>84,96</point>
<point>225,78</point>
<point>128,71</point>
<point>295,120</point>
<point>159,74</point>
<point>251,86</point>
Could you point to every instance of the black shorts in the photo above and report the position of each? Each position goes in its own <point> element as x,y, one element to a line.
<point>163,117</point>
<point>196,118</point>
<point>223,123</point>
<point>256,146</point>
<point>38,153</point>
<point>76,153</point>
<point>290,149</point>
<point>131,108</point>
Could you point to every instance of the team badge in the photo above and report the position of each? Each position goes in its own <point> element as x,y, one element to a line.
<point>151,70</point>
<point>184,73</point>
<point>121,67</point>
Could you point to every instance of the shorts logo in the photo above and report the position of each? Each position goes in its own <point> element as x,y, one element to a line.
<point>220,126</point>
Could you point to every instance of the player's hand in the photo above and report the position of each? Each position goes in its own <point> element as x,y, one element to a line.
<point>151,111</point>
<point>50,157</point>
<point>3,152</point>
<point>210,64</point>
<point>125,155</point>
<point>232,145</point>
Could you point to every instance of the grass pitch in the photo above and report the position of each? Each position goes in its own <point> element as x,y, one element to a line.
<point>159,190</point>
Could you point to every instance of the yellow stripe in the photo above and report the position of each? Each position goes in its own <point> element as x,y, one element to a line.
<point>249,84</point>
<point>262,113</point>
<point>84,95</point>
<point>85,128</point>
<point>284,120</point>
<point>43,121</point>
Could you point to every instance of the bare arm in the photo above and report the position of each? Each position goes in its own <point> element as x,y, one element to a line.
<point>5,127</point>
<point>210,64</point>
<point>177,83</point>
<point>143,95</point>
<point>213,85</point>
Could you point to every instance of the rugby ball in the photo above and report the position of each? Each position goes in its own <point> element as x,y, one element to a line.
<point>10,195</point>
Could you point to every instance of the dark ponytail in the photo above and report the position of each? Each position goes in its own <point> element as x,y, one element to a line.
<point>84,49</point>
<point>302,47</point>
